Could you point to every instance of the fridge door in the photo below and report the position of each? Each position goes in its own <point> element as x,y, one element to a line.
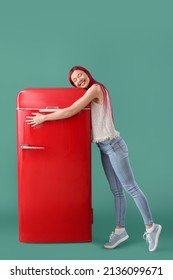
<point>54,171</point>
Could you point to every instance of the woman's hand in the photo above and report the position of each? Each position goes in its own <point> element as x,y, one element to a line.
<point>37,119</point>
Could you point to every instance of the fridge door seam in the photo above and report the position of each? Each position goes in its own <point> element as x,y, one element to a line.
<point>48,110</point>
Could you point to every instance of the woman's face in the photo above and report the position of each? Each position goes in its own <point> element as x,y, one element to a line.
<point>80,79</point>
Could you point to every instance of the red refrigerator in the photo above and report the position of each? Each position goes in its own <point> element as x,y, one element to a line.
<point>54,169</point>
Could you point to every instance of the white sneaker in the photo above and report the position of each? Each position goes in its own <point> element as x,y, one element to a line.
<point>116,239</point>
<point>153,237</point>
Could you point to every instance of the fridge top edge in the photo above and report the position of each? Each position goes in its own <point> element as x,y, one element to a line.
<point>49,88</point>
<point>48,97</point>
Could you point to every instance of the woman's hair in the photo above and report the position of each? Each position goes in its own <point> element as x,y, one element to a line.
<point>91,82</point>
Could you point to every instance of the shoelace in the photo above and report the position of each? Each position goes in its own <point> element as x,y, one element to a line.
<point>146,236</point>
<point>111,236</point>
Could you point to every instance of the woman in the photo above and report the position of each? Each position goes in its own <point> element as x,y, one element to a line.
<point>114,153</point>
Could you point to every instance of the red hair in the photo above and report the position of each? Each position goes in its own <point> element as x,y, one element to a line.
<point>91,82</point>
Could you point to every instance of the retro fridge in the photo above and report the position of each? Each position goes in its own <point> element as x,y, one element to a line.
<point>54,169</point>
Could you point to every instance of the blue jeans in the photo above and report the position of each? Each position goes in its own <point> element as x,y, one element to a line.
<point>114,155</point>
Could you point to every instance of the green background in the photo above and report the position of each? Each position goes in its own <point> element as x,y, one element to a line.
<point>128,46</point>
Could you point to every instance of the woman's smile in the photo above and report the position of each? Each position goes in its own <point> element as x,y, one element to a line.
<point>82,82</point>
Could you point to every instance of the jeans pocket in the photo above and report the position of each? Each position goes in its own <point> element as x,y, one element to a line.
<point>122,145</point>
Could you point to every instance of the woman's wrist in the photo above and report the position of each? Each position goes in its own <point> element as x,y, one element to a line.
<point>45,118</point>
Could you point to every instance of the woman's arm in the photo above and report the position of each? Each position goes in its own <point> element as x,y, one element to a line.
<point>94,92</point>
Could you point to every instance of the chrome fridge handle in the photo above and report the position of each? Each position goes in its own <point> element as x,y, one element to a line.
<point>49,109</point>
<point>28,147</point>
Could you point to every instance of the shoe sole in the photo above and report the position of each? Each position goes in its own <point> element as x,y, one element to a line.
<point>157,239</point>
<point>116,244</point>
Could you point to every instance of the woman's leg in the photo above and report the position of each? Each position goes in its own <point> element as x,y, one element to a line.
<point>117,190</point>
<point>118,155</point>
<point>117,152</point>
